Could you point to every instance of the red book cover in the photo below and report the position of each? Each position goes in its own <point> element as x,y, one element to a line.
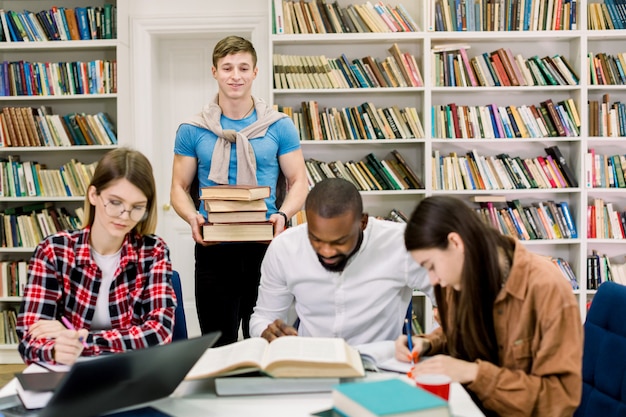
<point>500,71</point>
<point>508,68</point>
<point>547,171</point>
<point>591,222</point>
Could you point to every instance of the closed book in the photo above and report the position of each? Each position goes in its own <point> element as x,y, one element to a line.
<point>224,206</point>
<point>569,175</point>
<point>389,398</point>
<point>238,232</point>
<point>235,192</point>
<point>414,178</point>
<point>236,217</point>
<point>82,21</point>
<point>376,70</point>
<point>553,116</point>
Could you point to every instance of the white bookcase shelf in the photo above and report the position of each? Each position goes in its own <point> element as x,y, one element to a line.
<point>53,157</point>
<point>573,45</point>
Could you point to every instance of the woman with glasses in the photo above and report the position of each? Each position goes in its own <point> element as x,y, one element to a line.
<point>107,287</point>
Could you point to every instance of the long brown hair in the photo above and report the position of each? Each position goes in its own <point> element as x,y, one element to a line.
<point>133,166</point>
<point>468,326</point>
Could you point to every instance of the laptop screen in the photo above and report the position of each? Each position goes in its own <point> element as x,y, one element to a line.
<point>121,380</point>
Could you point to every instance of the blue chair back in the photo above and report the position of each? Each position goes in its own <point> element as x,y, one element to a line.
<point>604,355</point>
<point>180,324</point>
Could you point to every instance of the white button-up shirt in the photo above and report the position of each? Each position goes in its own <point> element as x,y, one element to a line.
<point>364,303</point>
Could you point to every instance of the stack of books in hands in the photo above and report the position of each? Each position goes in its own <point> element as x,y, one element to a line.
<point>236,213</point>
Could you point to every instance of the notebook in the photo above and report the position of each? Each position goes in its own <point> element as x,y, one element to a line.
<point>108,383</point>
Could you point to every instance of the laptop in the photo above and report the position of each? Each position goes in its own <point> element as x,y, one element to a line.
<point>111,382</point>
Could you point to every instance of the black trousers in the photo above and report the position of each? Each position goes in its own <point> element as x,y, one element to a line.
<point>227,280</point>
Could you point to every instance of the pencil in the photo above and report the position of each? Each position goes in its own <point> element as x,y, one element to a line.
<point>409,332</point>
<point>67,324</point>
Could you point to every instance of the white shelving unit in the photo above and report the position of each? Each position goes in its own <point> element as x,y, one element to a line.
<point>53,157</point>
<point>573,45</point>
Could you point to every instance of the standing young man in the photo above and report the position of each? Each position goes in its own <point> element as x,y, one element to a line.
<point>236,139</point>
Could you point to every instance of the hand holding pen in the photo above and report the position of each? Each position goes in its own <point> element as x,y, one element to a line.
<point>69,325</point>
<point>413,356</point>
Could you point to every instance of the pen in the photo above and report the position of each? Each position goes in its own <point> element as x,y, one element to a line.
<point>407,326</point>
<point>67,324</point>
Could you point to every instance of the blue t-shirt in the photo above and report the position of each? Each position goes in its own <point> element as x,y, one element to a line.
<point>281,138</point>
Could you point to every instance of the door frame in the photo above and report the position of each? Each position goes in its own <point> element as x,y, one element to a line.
<point>146,33</point>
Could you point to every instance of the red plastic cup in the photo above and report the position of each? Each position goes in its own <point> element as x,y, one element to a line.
<point>435,383</point>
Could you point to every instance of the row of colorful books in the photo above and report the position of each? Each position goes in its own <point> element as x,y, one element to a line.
<point>606,69</point>
<point>22,78</point>
<point>320,16</point>
<point>606,118</point>
<point>59,23</point>
<point>540,220</point>
<point>13,276</point>
<point>607,15</point>
<point>566,270</point>
<point>454,67</point>
<point>605,171</point>
<point>27,126</point>
<point>503,15</point>
<point>601,268</point>
<point>605,221</point>
<point>473,171</point>
<point>369,174</point>
<point>31,179</point>
<point>548,119</point>
<point>365,121</point>
<point>26,226</point>
<point>400,69</point>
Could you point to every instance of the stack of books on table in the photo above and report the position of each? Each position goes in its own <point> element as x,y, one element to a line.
<point>236,213</point>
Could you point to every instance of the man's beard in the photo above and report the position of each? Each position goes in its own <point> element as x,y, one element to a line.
<point>340,266</point>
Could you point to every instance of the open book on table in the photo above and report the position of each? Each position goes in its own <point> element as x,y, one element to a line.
<point>381,355</point>
<point>287,356</point>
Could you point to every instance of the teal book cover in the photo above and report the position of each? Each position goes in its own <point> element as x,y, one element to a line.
<point>389,397</point>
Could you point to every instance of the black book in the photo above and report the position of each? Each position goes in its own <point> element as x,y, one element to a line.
<point>590,273</point>
<point>516,205</point>
<point>556,154</point>
<point>506,161</point>
<point>45,25</point>
<point>378,130</point>
<point>379,176</point>
<point>342,18</point>
<point>375,162</point>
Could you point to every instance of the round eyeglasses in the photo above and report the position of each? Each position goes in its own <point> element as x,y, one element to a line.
<point>115,208</point>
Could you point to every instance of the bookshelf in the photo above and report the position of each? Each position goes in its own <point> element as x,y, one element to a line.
<point>103,53</point>
<point>574,45</point>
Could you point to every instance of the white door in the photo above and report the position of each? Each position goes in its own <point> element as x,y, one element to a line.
<point>182,85</point>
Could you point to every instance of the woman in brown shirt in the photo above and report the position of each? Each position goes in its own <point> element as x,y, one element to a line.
<point>510,325</point>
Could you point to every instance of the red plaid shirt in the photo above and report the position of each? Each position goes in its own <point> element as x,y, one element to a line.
<point>64,280</point>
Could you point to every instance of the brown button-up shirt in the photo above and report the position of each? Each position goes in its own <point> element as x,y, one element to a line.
<point>540,341</point>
